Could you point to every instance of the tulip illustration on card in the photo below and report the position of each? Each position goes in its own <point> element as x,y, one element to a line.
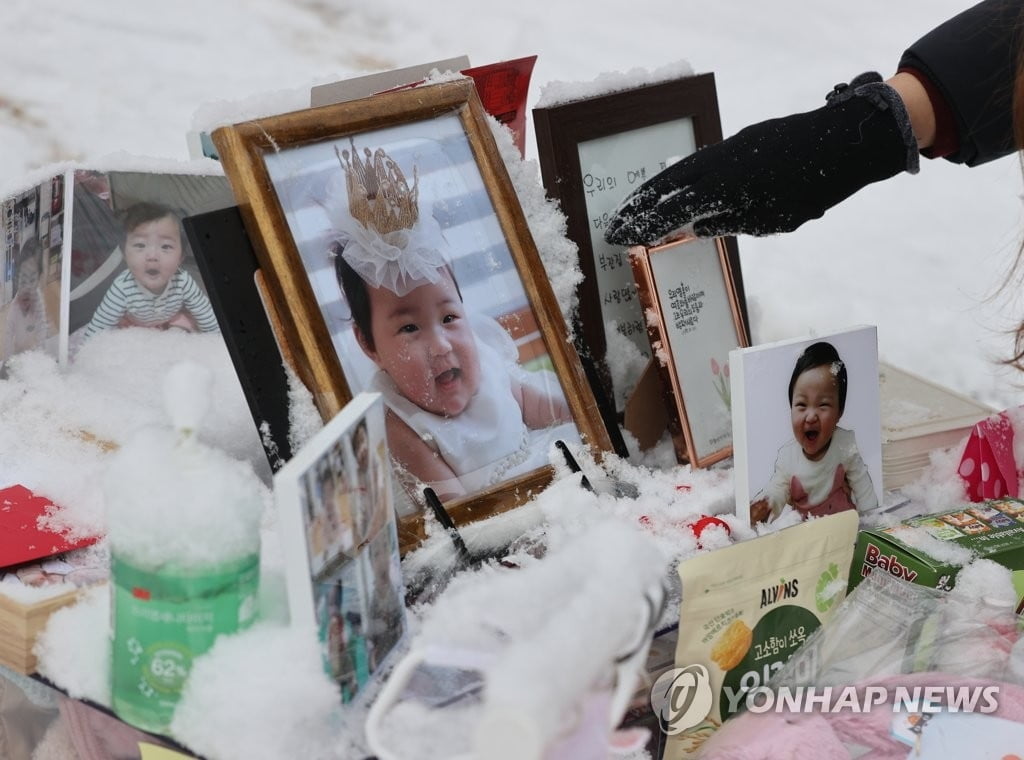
<point>721,382</point>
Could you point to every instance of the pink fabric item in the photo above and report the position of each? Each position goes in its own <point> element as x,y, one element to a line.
<point>98,736</point>
<point>838,499</point>
<point>987,466</point>
<point>784,736</point>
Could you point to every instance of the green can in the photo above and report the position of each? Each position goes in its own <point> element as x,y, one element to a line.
<point>164,618</point>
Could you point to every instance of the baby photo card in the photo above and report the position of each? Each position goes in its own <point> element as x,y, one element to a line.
<point>338,532</point>
<point>807,425</point>
<point>131,264</point>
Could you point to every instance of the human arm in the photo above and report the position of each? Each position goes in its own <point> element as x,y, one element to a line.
<point>774,176</point>
<point>198,305</point>
<point>111,310</point>
<point>540,409</point>
<point>857,476</point>
<point>920,108</point>
<point>419,460</point>
<point>771,499</point>
<point>969,64</point>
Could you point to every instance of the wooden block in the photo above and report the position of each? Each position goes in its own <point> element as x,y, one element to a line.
<point>20,624</point>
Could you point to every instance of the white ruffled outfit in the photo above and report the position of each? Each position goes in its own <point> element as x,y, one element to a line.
<point>488,443</point>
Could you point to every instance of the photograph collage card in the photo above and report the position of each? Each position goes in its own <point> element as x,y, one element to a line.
<point>33,237</point>
<point>336,508</point>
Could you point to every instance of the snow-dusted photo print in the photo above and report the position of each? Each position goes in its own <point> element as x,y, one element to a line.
<point>424,303</point>
<point>131,263</point>
<point>694,321</point>
<point>33,235</point>
<point>399,260</point>
<point>807,426</point>
<point>340,544</point>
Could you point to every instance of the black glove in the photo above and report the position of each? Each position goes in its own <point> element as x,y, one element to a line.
<point>776,175</point>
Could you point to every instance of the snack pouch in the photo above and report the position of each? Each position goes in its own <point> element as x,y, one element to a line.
<point>746,609</point>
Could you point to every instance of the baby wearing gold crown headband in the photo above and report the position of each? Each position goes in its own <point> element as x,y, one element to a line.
<point>460,409</point>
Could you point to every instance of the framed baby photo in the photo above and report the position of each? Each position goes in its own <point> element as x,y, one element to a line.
<point>593,152</point>
<point>335,506</point>
<point>398,260</point>
<point>807,425</point>
<point>688,295</point>
<point>33,245</point>
<point>131,264</point>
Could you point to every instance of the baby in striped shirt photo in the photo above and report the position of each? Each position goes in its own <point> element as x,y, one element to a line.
<point>155,290</point>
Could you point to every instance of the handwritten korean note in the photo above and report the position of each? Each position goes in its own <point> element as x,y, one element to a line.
<point>612,167</point>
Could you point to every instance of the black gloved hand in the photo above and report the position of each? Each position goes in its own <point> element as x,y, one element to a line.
<point>776,175</point>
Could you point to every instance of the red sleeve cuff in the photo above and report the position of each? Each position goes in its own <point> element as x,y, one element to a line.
<point>946,141</point>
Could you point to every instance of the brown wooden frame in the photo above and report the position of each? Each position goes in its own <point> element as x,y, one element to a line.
<point>302,328</point>
<point>669,356</point>
<point>561,128</point>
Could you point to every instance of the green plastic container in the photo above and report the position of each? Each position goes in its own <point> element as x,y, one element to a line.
<point>162,620</point>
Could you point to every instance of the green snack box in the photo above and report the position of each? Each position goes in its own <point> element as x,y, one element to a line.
<point>991,529</point>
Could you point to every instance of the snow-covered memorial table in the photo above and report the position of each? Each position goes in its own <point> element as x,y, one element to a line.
<point>523,635</point>
<point>264,693</point>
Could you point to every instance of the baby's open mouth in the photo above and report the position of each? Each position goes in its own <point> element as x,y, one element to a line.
<point>153,272</point>
<point>448,377</point>
<point>811,435</point>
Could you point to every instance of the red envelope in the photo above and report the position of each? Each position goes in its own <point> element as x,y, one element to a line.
<point>987,466</point>
<point>21,538</point>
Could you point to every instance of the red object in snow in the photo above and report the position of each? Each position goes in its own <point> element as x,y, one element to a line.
<point>502,88</point>
<point>988,467</point>
<point>21,538</point>
<point>699,525</point>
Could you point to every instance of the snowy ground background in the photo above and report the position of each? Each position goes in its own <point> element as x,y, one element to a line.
<point>918,256</point>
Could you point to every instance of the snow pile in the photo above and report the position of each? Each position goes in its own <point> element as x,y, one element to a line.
<point>260,695</point>
<point>987,581</point>
<point>625,363</point>
<point>521,627</point>
<point>172,499</point>
<point>939,487</point>
<point>547,224</point>
<point>663,501</point>
<point>126,368</point>
<point>558,93</point>
<point>598,583</point>
<point>80,415</point>
<point>303,418</point>
<point>944,551</point>
<point>74,648</point>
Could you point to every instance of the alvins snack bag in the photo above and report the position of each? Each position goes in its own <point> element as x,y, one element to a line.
<point>746,608</point>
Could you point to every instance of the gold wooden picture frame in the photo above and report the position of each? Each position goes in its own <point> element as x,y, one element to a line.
<point>694,320</point>
<point>339,182</point>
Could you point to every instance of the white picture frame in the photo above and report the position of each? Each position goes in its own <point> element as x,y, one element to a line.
<point>336,509</point>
